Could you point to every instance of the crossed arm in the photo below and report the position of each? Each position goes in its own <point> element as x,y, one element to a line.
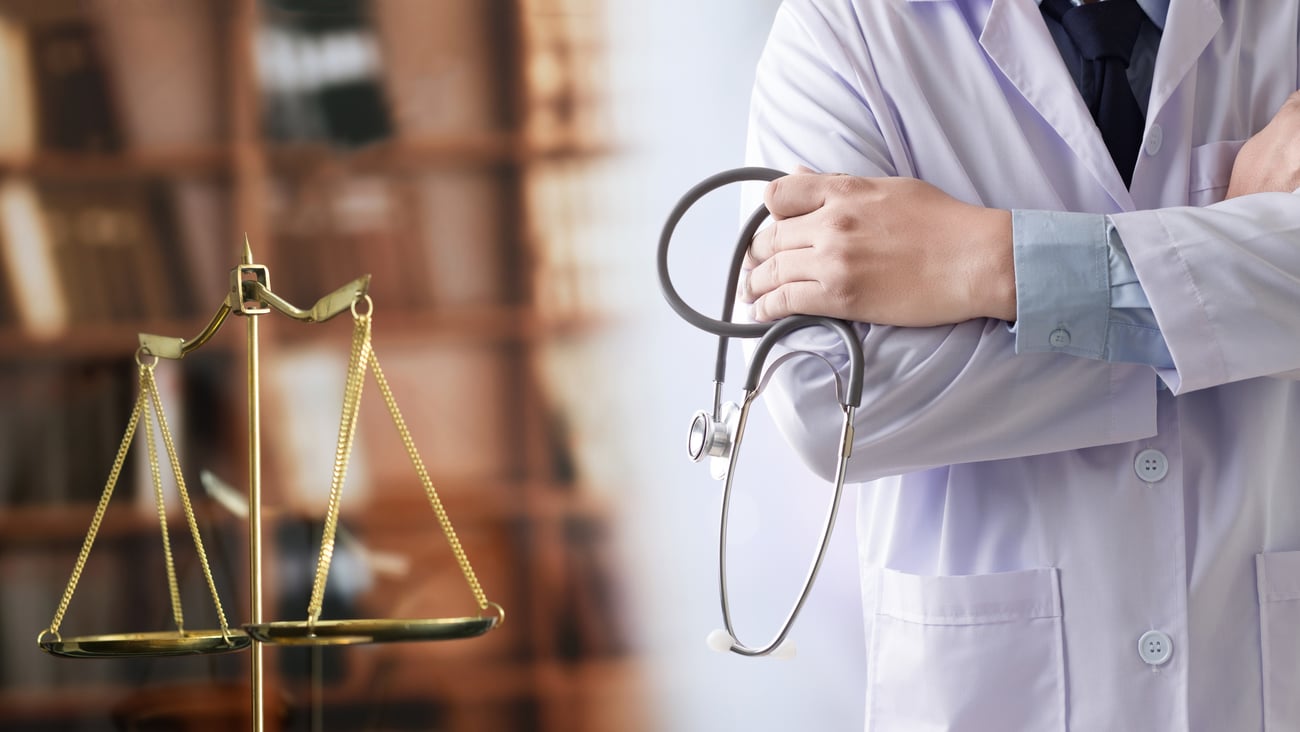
<point>898,251</point>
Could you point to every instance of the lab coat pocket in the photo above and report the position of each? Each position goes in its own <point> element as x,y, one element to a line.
<point>976,652</point>
<point>1278,577</point>
<point>1210,170</point>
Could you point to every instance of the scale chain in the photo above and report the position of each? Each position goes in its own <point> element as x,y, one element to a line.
<point>461,557</point>
<point>363,358</point>
<point>148,401</point>
<point>190,519</point>
<point>149,388</point>
<point>357,362</point>
<point>99,515</point>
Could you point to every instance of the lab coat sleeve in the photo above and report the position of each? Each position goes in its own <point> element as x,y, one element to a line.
<point>1224,284</point>
<point>932,396</point>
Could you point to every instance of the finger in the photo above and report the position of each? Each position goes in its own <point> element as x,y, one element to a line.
<point>780,236</point>
<point>795,195</point>
<point>804,298</point>
<point>760,247</point>
<point>797,265</point>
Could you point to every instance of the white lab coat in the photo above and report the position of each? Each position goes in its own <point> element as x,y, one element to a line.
<point>1009,573</point>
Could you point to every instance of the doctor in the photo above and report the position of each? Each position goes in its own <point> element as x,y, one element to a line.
<point>1080,434</point>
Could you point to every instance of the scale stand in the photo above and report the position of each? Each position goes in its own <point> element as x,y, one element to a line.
<point>251,295</point>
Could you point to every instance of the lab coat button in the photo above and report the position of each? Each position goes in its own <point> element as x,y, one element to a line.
<point>1151,465</point>
<point>1155,647</point>
<point>1059,338</point>
<point>1155,136</point>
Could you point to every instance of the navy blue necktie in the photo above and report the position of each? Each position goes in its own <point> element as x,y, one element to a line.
<point>1104,34</point>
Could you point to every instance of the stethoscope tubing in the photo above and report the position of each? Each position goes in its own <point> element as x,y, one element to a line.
<point>846,445</point>
<point>768,335</point>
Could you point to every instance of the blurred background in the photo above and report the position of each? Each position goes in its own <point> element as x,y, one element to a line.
<point>501,168</point>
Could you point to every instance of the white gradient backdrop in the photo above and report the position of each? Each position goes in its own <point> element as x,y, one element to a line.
<point>682,71</point>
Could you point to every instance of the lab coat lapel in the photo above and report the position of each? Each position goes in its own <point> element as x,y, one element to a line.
<point>1016,38</point>
<point>1188,29</point>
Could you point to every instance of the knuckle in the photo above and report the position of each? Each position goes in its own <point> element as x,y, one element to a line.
<point>781,302</point>
<point>773,191</point>
<point>772,270</point>
<point>840,221</point>
<point>761,245</point>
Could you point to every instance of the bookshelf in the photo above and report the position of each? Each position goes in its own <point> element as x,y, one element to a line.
<point>155,134</point>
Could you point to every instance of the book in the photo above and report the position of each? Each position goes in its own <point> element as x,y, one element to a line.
<point>75,110</point>
<point>204,239</point>
<point>564,85</point>
<point>454,401</point>
<point>61,429</point>
<point>461,224</point>
<point>443,64</point>
<point>18,123</point>
<point>319,68</point>
<point>37,289</point>
<point>35,469</point>
<point>167,70</point>
<point>329,232</point>
<point>116,252</point>
<point>371,231</point>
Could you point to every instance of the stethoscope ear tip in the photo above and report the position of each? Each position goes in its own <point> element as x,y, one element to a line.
<point>786,651</point>
<point>720,641</point>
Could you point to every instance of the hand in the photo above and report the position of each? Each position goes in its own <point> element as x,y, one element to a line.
<point>1270,161</point>
<point>890,251</point>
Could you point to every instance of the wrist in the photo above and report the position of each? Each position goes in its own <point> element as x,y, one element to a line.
<point>992,283</point>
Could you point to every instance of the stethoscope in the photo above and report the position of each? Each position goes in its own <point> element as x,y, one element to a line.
<point>717,434</point>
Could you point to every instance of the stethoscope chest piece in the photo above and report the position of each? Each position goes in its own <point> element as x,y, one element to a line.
<point>714,437</point>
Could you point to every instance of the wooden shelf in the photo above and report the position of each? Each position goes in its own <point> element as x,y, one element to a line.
<point>482,324</point>
<point>486,324</point>
<point>474,502</point>
<point>114,166</point>
<point>418,155</point>
<point>390,156</point>
<point>93,341</point>
<point>67,523</point>
<point>469,683</point>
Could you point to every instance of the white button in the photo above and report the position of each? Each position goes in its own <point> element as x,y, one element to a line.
<point>1151,465</point>
<point>1060,338</point>
<point>1155,136</point>
<point>1155,647</point>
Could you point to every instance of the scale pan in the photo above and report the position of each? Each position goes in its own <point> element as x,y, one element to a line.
<point>161,643</point>
<point>345,632</point>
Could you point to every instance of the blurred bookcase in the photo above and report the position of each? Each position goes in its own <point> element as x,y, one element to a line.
<point>421,141</point>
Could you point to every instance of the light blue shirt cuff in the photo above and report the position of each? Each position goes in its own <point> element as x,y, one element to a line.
<point>1062,282</point>
<point>1133,336</point>
<point>1077,291</point>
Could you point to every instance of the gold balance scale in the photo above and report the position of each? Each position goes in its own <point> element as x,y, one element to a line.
<point>251,295</point>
